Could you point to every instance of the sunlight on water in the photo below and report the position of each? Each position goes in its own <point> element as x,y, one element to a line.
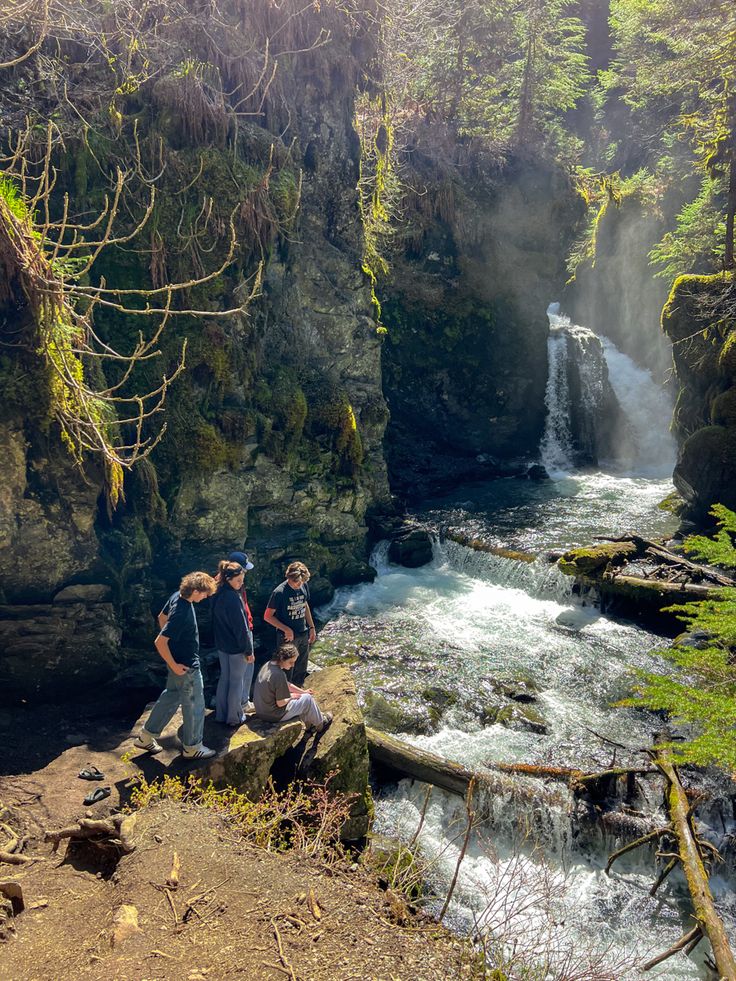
<point>434,644</point>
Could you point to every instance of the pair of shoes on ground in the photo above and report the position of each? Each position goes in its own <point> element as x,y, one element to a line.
<point>149,744</point>
<point>91,772</point>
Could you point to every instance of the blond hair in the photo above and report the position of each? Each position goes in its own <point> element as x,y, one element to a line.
<point>197,582</point>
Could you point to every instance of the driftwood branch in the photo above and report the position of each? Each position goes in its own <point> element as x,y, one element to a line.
<point>691,857</point>
<point>687,941</point>
<point>113,832</point>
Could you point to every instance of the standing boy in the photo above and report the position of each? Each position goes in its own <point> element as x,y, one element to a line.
<point>178,645</point>
<point>288,611</point>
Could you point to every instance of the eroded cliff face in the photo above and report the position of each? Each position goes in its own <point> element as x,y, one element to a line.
<point>275,429</point>
<point>465,359</point>
<point>704,349</point>
<point>615,292</point>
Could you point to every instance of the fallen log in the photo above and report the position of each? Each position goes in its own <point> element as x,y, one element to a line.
<point>670,590</point>
<point>478,545</point>
<point>691,858</point>
<point>417,763</point>
<point>570,775</point>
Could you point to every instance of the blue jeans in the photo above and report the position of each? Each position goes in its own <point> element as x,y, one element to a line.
<point>233,688</point>
<point>185,690</point>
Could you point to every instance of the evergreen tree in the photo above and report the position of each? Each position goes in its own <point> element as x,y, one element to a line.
<point>701,691</point>
<point>675,71</point>
<point>505,70</point>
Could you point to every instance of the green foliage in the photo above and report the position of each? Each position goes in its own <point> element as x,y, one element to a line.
<point>674,74</point>
<point>696,244</point>
<point>307,817</point>
<point>719,550</point>
<point>701,691</point>
<point>506,71</point>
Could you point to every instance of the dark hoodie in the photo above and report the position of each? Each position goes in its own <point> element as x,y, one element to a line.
<point>232,633</point>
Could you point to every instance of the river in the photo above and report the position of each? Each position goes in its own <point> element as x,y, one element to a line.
<point>436,650</point>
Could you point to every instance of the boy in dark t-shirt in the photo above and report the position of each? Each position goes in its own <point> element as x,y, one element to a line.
<point>288,611</point>
<point>178,646</point>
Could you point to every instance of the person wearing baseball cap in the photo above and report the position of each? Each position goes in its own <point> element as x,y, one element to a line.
<point>242,559</point>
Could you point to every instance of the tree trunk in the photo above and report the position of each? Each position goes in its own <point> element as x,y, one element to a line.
<point>728,259</point>
<point>412,762</point>
<point>697,877</point>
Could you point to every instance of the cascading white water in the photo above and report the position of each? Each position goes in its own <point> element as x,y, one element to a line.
<point>556,448</point>
<point>642,442</point>
<point>437,644</point>
<point>648,409</point>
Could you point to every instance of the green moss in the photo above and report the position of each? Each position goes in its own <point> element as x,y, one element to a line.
<point>331,414</point>
<point>723,408</point>
<point>727,358</point>
<point>673,504</point>
<point>584,561</point>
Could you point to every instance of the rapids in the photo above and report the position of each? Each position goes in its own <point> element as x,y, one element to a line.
<point>431,648</point>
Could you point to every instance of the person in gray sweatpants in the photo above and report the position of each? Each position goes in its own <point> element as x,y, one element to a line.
<point>278,700</point>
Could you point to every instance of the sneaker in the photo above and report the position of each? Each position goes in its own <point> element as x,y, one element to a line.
<point>249,708</point>
<point>200,752</point>
<point>146,742</point>
<point>326,723</point>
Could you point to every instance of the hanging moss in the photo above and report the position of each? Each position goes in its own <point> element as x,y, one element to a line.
<point>727,359</point>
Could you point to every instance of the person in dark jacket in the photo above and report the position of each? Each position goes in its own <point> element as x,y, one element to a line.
<point>234,643</point>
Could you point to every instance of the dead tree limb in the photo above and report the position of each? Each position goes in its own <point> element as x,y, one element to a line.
<point>663,875</point>
<point>692,937</point>
<point>645,839</point>
<point>694,869</point>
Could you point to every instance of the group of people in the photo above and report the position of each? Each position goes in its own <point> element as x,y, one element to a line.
<point>278,695</point>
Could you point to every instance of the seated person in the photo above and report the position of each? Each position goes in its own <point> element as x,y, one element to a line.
<point>277,700</point>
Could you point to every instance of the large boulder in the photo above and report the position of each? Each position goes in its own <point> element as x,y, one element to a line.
<point>342,752</point>
<point>52,651</point>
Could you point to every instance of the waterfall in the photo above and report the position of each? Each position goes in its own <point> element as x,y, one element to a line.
<point>538,578</point>
<point>601,406</point>
<point>648,411</point>
<point>556,449</point>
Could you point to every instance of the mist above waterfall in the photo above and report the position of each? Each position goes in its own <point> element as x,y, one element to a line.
<point>602,408</point>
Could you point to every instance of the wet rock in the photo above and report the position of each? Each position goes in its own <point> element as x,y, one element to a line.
<point>412,547</point>
<point>537,472</point>
<point>438,701</point>
<point>92,593</point>
<point>394,715</point>
<point>523,691</point>
<point>522,718</point>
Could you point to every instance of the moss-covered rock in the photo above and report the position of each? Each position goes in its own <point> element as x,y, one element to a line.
<point>723,409</point>
<point>706,470</point>
<point>395,715</point>
<point>587,561</point>
<point>522,717</point>
<point>342,752</point>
